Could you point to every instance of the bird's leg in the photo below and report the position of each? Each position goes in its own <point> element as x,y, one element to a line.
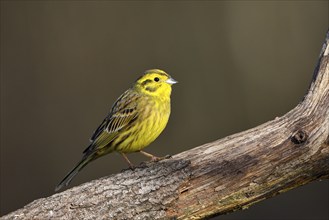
<point>154,158</point>
<point>128,161</point>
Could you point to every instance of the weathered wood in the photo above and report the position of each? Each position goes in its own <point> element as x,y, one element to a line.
<point>219,177</point>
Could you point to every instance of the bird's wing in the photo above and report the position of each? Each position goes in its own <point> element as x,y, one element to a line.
<point>123,113</point>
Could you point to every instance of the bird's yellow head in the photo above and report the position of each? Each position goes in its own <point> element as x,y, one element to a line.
<point>155,82</point>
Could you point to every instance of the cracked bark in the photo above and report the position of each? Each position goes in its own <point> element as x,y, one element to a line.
<point>218,177</point>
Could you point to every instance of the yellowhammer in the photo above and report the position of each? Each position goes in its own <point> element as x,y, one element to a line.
<point>136,119</point>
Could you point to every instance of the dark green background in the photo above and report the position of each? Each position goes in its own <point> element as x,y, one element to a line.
<point>63,64</point>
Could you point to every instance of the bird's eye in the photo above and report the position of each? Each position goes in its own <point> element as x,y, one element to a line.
<point>156,79</point>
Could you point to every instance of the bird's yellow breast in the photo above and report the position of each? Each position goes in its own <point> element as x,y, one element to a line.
<point>153,118</point>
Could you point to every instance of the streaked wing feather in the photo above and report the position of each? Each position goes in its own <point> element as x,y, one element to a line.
<point>120,120</point>
<point>121,114</point>
<point>100,128</point>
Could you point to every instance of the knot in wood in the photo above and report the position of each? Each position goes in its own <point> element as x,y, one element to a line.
<point>299,137</point>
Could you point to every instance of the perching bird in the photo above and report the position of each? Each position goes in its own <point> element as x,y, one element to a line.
<point>136,119</point>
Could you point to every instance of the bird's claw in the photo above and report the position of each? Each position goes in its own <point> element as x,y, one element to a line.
<point>168,156</point>
<point>156,159</point>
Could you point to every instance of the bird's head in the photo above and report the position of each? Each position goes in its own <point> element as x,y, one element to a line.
<point>155,82</point>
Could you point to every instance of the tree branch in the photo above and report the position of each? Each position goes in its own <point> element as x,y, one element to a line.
<point>219,177</point>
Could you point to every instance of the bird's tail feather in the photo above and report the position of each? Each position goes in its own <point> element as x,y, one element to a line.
<point>68,178</point>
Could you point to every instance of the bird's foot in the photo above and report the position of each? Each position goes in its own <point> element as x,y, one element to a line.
<point>156,159</point>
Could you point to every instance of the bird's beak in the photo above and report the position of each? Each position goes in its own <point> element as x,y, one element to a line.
<point>171,81</point>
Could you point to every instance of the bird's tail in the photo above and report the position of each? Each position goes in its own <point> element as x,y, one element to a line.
<point>68,178</point>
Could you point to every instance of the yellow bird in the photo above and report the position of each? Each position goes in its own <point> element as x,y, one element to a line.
<point>136,119</point>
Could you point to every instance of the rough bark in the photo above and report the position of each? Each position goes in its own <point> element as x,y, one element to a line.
<point>219,177</point>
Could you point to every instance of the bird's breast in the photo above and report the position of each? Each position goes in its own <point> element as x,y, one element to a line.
<point>152,119</point>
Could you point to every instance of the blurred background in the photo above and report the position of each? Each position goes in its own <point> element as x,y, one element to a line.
<point>63,64</point>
